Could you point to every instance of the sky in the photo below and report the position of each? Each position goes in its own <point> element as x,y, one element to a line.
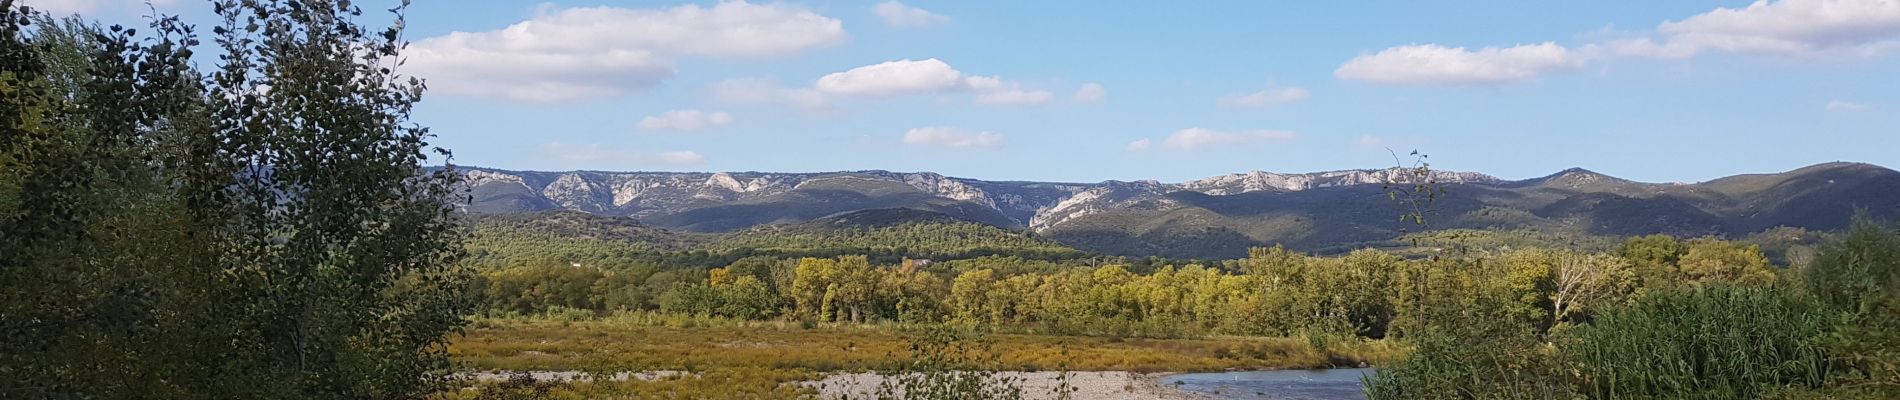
<point>1085,91</point>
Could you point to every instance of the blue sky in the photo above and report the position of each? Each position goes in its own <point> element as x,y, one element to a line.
<point>1086,91</point>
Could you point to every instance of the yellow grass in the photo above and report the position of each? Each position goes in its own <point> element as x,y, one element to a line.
<point>609,345</point>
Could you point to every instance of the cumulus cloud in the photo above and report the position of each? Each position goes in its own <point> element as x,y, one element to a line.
<point>1140,145</point>
<point>898,15</point>
<point>996,91</point>
<point>1199,138</point>
<point>1429,64</point>
<point>686,120</point>
<point>1789,28</point>
<point>1091,93</point>
<point>1845,106</point>
<point>596,156</point>
<point>1792,27</point>
<point>952,138</point>
<point>595,52</point>
<point>1269,97</point>
<point>892,78</point>
<point>887,79</point>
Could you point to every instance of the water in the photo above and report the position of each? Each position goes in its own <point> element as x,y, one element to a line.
<point>1315,384</point>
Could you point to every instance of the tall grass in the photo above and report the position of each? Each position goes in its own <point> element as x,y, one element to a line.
<point>1714,342</point>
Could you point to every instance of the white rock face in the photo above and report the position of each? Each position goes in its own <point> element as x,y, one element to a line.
<point>948,188</point>
<point>1258,180</point>
<point>1078,205</point>
<point>627,191</point>
<point>570,191</point>
<point>724,181</point>
<point>1032,204</point>
<point>480,177</point>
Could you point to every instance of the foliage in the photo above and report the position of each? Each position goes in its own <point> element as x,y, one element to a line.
<point>1716,341</point>
<point>931,240</point>
<point>714,383</point>
<point>262,230</point>
<point>948,364</point>
<point>1859,276</point>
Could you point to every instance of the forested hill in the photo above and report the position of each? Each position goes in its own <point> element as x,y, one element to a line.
<point>1217,217</point>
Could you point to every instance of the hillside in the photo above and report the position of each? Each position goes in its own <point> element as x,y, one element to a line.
<point>1217,217</point>
<point>895,232</point>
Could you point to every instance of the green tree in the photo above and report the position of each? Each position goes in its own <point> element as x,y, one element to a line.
<point>1654,259</point>
<point>1713,260</point>
<point>264,231</point>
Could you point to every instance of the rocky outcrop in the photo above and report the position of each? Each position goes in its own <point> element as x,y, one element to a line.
<point>1035,205</point>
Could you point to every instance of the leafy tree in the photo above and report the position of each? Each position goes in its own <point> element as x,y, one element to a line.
<point>1711,260</point>
<point>1654,259</point>
<point>264,230</point>
<point>1584,281</point>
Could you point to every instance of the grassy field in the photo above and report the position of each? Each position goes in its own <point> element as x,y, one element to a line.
<point>620,345</point>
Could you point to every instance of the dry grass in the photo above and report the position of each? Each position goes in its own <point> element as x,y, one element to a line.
<point>609,345</point>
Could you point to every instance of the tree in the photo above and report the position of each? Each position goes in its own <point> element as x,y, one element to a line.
<point>969,294</point>
<point>266,231</point>
<point>1712,260</point>
<point>1584,281</point>
<point>1654,259</point>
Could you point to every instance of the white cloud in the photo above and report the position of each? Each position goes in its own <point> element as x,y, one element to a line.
<point>1793,27</point>
<point>953,138</point>
<point>1369,141</point>
<point>1140,145</point>
<point>1845,106</point>
<point>1264,98</point>
<point>593,155</point>
<point>996,91</point>
<point>583,53</point>
<point>1435,64</point>
<point>1091,93</point>
<point>1198,138</point>
<point>912,77</point>
<point>686,120</point>
<point>761,91</point>
<point>899,15</point>
<point>1646,48</point>
<point>892,78</point>
<point>680,157</point>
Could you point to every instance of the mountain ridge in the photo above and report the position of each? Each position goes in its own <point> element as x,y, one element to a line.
<point>1147,217</point>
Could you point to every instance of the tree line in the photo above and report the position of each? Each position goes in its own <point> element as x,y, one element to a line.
<point>1274,292</point>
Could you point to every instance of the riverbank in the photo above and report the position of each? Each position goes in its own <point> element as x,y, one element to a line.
<point>1046,385</point>
<point>606,344</point>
